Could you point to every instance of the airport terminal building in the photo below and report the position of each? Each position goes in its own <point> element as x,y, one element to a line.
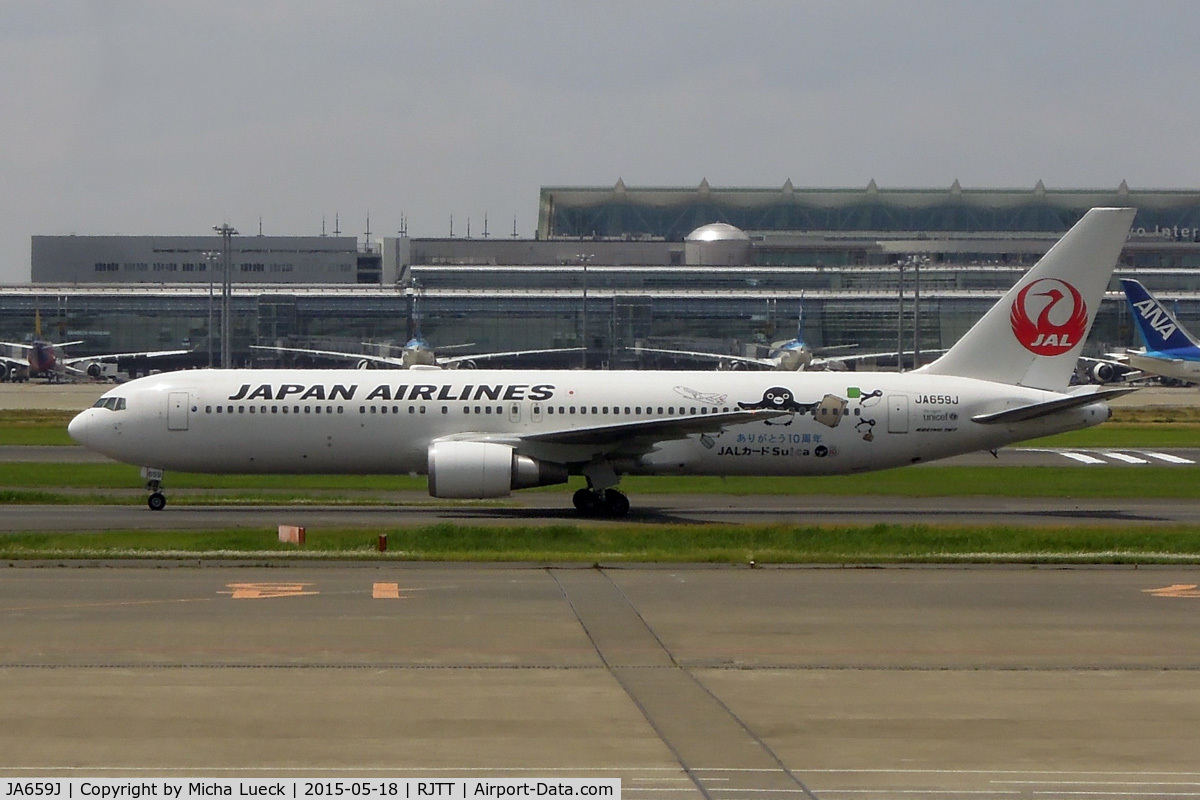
<point>612,268</point>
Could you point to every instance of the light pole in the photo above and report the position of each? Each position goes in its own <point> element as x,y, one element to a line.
<point>900,321</point>
<point>211,257</point>
<point>584,258</point>
<point>227,232</point>
<point>916,264</point>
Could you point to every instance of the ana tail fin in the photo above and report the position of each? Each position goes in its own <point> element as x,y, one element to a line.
<point>1034,335</point>
<point>1157,327</point>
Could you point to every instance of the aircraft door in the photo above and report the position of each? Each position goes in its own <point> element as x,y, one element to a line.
<point>514,412</point>
<point>535,412</point>
<point>177,411</point>
<point>898,413</point>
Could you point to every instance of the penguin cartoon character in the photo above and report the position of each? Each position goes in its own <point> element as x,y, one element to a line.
<point>780,398</point>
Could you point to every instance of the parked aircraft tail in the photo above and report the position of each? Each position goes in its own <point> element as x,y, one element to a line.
<point>1034,335</point>
<point>1157,327</point>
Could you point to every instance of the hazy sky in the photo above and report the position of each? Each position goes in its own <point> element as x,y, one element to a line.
<point>171,116</point>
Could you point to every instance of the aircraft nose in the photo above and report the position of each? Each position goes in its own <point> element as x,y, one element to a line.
<point>79,427</point>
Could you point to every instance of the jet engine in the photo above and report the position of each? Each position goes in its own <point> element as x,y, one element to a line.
<point>1102,372</point>
<point>93,369</point>
<point>3,371</point>
<point>475,470</point>
<point>364,363</point>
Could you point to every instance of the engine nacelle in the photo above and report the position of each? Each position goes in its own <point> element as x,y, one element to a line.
<point>477,470</point>
<point>1102,372</point>
<point>364,363</point>
<point>3,371</point>
<point>93,370</point>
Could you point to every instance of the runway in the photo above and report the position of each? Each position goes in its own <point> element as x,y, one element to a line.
<point>683,682</point>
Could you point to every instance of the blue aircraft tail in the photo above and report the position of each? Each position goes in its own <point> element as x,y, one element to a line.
<point>1158,329</point>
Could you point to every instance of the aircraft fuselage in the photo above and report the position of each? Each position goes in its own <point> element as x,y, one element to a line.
<point>360,422</point>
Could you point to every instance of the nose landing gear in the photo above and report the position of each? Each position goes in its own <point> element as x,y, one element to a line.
<point>157,500</point>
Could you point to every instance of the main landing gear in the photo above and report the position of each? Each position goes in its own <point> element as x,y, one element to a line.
<point>600,499</point>
<point>157,500</point>
<point>601,503</point>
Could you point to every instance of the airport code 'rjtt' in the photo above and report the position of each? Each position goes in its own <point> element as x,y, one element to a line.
<point>135,790</point>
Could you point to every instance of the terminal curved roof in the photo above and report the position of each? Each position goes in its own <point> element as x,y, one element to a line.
<point>670,213</point>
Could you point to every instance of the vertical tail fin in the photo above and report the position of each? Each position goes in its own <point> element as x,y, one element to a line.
<point>1033,336</point>
<point>1156,326</point>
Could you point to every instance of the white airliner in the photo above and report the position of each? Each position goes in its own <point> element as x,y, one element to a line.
<point>43,359</point>
<point>484,433</point>
<point>416,353</point>
<point>788,355</point>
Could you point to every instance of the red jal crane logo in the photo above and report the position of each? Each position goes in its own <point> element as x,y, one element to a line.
<point>1060,324</point>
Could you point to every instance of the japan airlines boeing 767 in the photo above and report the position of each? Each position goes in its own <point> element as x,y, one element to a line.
<point>484,433</point>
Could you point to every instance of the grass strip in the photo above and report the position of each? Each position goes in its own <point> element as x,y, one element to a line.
<point>723,544</point>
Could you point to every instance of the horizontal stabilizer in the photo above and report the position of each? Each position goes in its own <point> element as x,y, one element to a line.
<point>1045,409</point>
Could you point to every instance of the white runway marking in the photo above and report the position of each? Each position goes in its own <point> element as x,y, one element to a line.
<point>1170,459</point>
<point>1083,458</point>
<point>1128,459</point>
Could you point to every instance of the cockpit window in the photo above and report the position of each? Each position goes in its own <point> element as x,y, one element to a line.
<point>111,403</point>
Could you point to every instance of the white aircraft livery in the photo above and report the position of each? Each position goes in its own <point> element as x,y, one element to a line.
<point>484,433</point>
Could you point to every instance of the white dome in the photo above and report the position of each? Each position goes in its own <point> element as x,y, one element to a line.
<point>717,232</point>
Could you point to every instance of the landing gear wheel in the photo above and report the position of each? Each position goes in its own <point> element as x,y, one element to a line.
<point>609,503</point>
<point>616,504</point>
<point>586,502</point>
<point>157,501</point>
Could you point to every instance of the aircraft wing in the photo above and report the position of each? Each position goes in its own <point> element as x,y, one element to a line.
<point>454,360</point>
<point>628,439</point>
<point>24,348</point>
<point>382,360</point>
<point>114,356</point>
<point>833,348</point>
<point>764,363</point>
